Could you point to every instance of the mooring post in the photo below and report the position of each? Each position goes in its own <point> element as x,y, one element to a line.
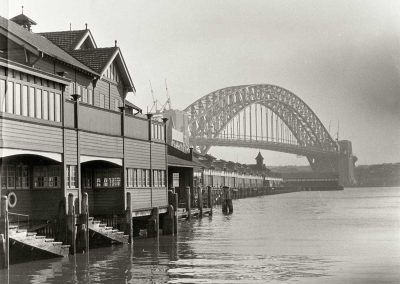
<point>209,199</point>
<point>82,236</point>
<point>168,221</point>
<point>4,241</point>
<point>200,201</point>
<point>188,203</point>
<point>71,232</point>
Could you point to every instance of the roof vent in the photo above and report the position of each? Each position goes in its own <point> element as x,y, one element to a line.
<point>23,20</point>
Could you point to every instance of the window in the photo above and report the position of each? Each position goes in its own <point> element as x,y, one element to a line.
<point>24,100</point>
<point>47,176</point>
<point>10,97</point>
<point>18,99</point>
<point>22,176</point>
<point>102,101</point>
<point>45,102</point>
<point>57,114</point>
<point>71,176</point>
<point>51,106</point>
<point>2,95</point>
<point>38,103</point>
<point>31,105</point>
<point>84,95</point>
<point>90,97</point>
<point>108,177</point>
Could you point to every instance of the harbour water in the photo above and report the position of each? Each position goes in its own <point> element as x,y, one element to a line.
<point>350,236</point>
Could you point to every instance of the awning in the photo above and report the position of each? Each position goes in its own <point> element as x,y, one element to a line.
<point>179,162</point>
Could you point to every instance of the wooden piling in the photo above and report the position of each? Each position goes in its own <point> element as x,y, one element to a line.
<point>188,202</point>
<point>71,231</point>
<point>4,241</point>
<point>82,236</point>
<point>168,221</point>
<point>128,217</point>
<point>153,223</point>
<point>200,201</point>
<point>209,199</point>
<point>173,201</point>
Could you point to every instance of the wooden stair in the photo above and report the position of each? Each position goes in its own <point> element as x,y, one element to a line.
<point>100,234</point>
<point>26,246</point>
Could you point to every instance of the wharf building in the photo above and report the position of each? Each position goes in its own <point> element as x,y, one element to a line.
<point>66,127</point>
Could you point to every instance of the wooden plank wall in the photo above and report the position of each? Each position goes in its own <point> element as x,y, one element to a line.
<point>137,154</point>
<point>141,198</point>
<point>70,147</point>
<point>158,156</point>
<point>100,145</point>
<point>108,201</point>
<point>160,196</point>
<point>98,120</point>
<point>136,128</point>
<point>28,136</point>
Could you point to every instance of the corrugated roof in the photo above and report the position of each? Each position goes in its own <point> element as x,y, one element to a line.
<point>42,44</point>
<point>67,40</point>
<point>95,58</point>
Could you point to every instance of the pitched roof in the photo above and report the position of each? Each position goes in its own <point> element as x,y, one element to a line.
<point>41,44</point>
<point>23,19</point>
<point>99,58</point>
<point>95,58</point>
<point>67,40</point>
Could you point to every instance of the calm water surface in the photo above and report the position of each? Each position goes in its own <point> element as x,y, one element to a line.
<point>350,236</point>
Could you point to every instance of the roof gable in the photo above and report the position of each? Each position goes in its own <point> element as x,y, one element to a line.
<point>100,59</point>
<point>38,44</point>
<point>70,40</point>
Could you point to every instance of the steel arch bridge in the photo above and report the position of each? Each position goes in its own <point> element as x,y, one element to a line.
<point>262,116</point>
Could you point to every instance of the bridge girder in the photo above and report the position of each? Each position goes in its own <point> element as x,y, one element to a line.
<point>211,113</point>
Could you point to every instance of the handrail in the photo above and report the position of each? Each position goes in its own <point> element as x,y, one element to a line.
<point>18,215</point>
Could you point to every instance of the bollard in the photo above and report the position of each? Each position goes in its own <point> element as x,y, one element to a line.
<point>200,201</point>
<point>71,231</point>
<point>188,202</point>
<point>154,223</point>
<point>128,217</point>
<point>173,201</point>
<point>82,235</point>
<point>4,241</point>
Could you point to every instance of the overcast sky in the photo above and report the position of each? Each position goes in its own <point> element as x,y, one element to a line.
<point>341,57</point>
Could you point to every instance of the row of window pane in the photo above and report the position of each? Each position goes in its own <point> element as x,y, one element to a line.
<point>137,178</point>
<point>47,176</point>
<point>141,178</point>
<point>29,101</point>
<point>158,178</point>
<point>87,95</point>
<point>108,177</point>
<point>157,131</point>
<point>14,177</point>
<point>71,176</point>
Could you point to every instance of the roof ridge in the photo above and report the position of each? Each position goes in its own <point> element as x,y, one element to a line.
<point>64,31</point>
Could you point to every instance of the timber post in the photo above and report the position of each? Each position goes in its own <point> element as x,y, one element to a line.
<point>128,216</point>
<point>188,202</point>
<point>209,199</point>
<point>200,200</point>
<point>82,242</point>
<point>154,223</point>
<point>71,233</point>
<point>169,221</point>
<point>4,241</point>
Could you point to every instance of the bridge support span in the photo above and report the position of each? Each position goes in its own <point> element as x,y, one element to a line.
<point>343,164</point>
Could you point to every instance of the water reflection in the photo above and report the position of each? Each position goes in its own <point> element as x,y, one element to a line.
<point>306,237</point>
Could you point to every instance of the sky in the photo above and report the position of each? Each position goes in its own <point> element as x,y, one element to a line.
<point>341,57</point>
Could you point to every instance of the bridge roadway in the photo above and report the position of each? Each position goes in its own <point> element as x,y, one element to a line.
<point>265,145</point>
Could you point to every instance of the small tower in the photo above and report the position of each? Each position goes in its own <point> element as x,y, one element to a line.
<point>23,20</point>
<point>260,161</point>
